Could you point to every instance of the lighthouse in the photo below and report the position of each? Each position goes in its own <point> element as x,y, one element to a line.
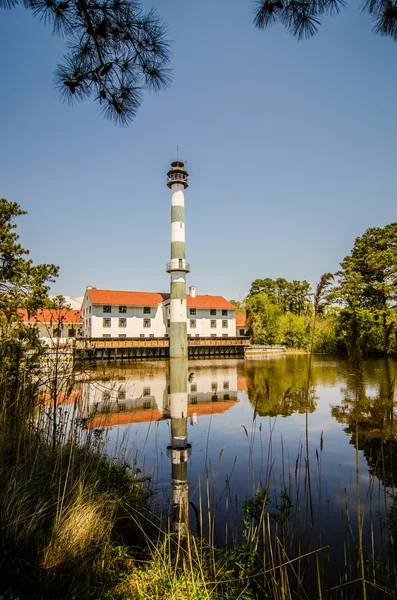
<point>178,267</point>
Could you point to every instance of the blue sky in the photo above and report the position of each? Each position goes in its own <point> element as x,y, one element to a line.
<point>291,148</point>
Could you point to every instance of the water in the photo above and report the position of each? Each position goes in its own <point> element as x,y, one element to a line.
<point>251,424</point>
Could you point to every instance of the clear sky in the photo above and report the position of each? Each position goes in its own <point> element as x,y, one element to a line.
<point>291,148</point>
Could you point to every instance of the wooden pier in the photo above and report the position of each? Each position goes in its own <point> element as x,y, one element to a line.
<point>157,348</point>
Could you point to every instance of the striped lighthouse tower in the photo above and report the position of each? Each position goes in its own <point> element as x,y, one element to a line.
<point>178,267</point>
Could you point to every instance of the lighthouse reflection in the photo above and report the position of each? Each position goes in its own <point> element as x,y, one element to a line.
<point>179,449</point>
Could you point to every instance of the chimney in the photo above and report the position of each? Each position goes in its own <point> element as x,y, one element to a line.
<point>192,291</point>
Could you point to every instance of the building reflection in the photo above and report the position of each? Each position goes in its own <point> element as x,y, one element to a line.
<point>143,395</point>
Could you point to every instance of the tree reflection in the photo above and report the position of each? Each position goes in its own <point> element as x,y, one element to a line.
<point>371,420</point>
<point>276,390</point>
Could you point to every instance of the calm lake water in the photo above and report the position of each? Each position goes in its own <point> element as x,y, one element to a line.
<point>250,424</point>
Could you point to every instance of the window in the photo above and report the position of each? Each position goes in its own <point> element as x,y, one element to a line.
<point>168,322</point>
<point>226,397</point>
<point>193,323</point>
<point>146,310</point>
<point>168,389</point>
<point>213,323</point>
<point>146,391</point>
<point>142,335</point>
<point>121,395</point>
<point>122,335</point>
<point>214,386</point>
<point>57,332</point>
<point>213,335</point>
<point>122,309</point>
<point>89,309</point>
<point>224,313</point>
<point>166,335</point>
<point>107,308</point>
<point>106,335</point>
<point>193,387</point>
<point>147,405</point>
<point>105,397</point>
<point>214,398</point>
<point>120,407</point>
<point>72,332</point>
<point>146,322</point>
<point>225,385</point>
<point>123,322</point>
<point>225,324</point>
<point>213,311</point>
<point>192,311</point>
<point>241,331</point>
<point>151,335</point>
<point>193,400</point>
<point>106,322</point>
<point>225,335</point>
<point>197,335</point>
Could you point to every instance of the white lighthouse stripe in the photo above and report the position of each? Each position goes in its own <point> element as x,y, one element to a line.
<point>178,197</point>
<point>178,403</point>
<point>177,277</point>
<point>177,232</point>
<point>178,311</point>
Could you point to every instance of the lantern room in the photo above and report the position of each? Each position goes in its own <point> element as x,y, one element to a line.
<point>177,174</point>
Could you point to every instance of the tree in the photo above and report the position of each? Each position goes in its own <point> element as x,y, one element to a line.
<point>367,288</point>
<point>263,319</point>
<point>289,296</point>
<point>115,51</point>
<point>302,17</point>
<point>22,284</point>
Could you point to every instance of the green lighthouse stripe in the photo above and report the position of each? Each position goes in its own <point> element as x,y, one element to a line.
<point>178,339</point>
<point>177,250</point>
<point>178,290</point>
<point>177,214</point>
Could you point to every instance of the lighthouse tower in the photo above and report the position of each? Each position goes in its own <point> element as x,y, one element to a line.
<point>178,267</point>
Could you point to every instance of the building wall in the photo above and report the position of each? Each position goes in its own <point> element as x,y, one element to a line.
<point>48,332</point>
<point>158,318</point>
<point>241,330</point>
<point>135,322</point>
<point>225,325</point>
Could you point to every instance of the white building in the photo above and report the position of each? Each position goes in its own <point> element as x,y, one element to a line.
<point>241,326</point>
<point>119,314</point>
<point>54,326</point>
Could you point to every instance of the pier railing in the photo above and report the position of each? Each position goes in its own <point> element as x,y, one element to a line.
<point>158,342</point>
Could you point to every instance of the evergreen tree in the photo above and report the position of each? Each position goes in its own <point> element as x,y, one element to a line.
<point>115,51</point>
<point>303,17</point>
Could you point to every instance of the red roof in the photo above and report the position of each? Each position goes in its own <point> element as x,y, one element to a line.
<point>114,297</point>
<point>242,383</point>
<point>209,302</point>
<point>240,320</point>
<point>126,298</point>
<point>146,416</point>
<point>53,316</point>
<point>122,418</point>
